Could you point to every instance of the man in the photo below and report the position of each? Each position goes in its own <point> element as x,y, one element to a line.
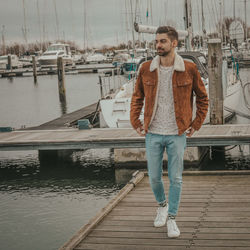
<point>167,83</point>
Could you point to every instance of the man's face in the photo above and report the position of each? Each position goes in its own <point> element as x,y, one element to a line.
<point>164,45</point>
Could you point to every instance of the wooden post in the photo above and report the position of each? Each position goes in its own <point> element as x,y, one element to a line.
<point>215,81</point>
<point>101,88</point>
<point>9,65</point>
<point>60,73</point>
<point>34,68</point>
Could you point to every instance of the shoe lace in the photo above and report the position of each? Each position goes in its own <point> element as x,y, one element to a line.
<point>159,213</point>
<point>173,225</point>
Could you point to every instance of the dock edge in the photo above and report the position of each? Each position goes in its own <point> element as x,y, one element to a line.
<point>137,176</point>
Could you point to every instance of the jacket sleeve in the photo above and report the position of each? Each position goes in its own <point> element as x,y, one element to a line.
<point>201,100</point>
<point>137,101</point>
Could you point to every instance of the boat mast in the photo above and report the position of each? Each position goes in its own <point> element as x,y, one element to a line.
<point>245,6</point>
<point>85,34</point>
<point>132,27</point>
<point>72,18</point>
<point>57,23</point>
<point>203,26</point>
<point>3,40</point>
<point>39,23</point>
<point>44,28</point>
<point>126,20</point>
<point>220,28</point>
<point>25,27</point>
<point>188,23</point>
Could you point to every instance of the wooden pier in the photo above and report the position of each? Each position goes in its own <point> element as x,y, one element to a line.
<point>73,138</point>
<point>53,70</point>
<point>70,119</point>
<point>214,214</point>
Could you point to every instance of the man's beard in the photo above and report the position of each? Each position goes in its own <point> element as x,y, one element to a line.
<point>163,52</point>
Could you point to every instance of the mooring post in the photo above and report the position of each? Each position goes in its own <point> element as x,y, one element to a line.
<point>60,73</point>
<point>215,81</point>
<point>9,64</point>
<point>34,68</point>
<point>101,87</point>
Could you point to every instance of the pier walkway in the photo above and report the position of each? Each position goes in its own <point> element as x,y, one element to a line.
<point>67,120</point>
<point>73,138</point>
<point>214,214</point>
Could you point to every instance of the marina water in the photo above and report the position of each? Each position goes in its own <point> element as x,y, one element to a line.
<point>42,206</point>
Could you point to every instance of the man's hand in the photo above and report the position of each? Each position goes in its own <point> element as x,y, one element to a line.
<point>190,131</point>
<point>141,131</point>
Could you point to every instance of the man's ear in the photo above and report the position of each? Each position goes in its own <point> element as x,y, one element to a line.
<point>175,43</point>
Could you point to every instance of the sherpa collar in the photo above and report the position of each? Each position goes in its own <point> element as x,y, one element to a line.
<point>178,63</point>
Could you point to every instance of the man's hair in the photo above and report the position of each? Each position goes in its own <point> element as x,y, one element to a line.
<point>170,31</point>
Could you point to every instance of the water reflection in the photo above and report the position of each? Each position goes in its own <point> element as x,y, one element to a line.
<point>63,104</point>
<point>227,158</point>
<point>82,171</point>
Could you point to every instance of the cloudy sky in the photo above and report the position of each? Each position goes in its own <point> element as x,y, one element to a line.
<point>107,21</point>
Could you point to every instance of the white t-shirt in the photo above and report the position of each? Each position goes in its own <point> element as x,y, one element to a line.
<point>164,121</point>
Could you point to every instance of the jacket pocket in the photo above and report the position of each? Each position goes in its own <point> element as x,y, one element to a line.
<point>149,82</point>
<point>183,83</point>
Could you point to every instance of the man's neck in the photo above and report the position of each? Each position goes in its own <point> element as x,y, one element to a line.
<point>167,61</point>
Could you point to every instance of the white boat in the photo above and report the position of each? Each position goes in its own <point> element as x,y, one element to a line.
<point>96,58</point>
<point>115,112</point>
<point>14,62</point>
<point>49,57</point>
<point>120,58</point>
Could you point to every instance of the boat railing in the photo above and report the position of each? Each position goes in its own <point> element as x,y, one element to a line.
<point>111,83</point>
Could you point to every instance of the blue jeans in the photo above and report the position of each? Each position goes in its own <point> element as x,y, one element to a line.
<point>175,146</point>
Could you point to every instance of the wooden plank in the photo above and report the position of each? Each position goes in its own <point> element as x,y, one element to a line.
<point>229,219</point>
<point>83,232</point>
<point>154,208</point>
<point>146,224</point>
<point>236,213</point>
<point>216,248</point>
<point>124,247</point>
<point>220,243</point>
<point>136,235</point>
<point>128,241</point>
<point>149,218</point>
<point>152,229</point>
<point>225,209</point>
<point>225,230</point>
<point>220,236</point>
<point>152,212</point>
<point>141,199</point>
<point>154,204</point>
<point>184,196</point>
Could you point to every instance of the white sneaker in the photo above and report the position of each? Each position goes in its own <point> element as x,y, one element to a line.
<point>161,217</point>
<point>173,230</point>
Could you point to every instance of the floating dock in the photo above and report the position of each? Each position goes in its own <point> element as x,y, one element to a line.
<point>214,214</point>
<point>73,138</point>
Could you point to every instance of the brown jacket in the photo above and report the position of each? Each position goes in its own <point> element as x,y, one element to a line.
<point>186,81</point>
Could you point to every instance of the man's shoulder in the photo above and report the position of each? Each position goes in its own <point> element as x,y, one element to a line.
<point>189,64</point>
<point>190,67</point>
<point>145,66</point>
